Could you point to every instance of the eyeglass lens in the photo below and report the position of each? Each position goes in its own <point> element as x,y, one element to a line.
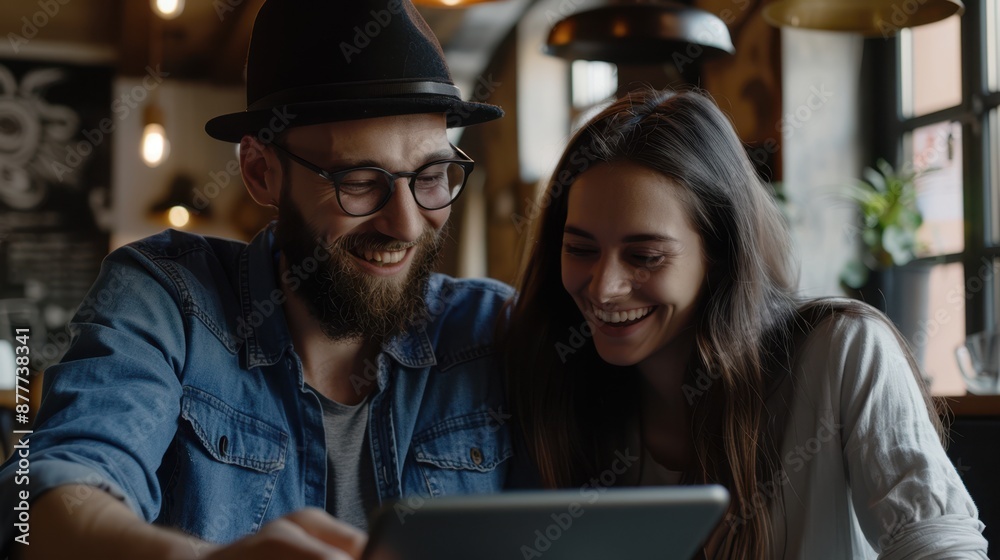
<point>363,190</point>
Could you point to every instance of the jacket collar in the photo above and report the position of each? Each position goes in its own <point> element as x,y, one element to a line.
<point>263,324</point>
<point>264,327</point>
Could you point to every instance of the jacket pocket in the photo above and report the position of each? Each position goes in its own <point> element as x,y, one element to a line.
<point>463,455</point>
<point>224,469</point>
<point>231,436</point>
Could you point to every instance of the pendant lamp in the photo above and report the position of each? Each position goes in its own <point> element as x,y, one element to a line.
<point>639,32</point>
<point>867,17</point>
<point>448,3</point>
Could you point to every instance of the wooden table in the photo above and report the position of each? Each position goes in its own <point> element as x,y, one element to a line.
<point>973,405</point>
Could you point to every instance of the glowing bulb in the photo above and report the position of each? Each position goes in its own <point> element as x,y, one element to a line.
<point>178,216</point>
<point>168,9</point>
<point>154,144</point>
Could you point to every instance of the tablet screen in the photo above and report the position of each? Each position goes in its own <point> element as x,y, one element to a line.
<point>664,523</point>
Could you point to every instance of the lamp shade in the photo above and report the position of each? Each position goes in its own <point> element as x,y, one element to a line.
<point>639,33</point>
<point>182,197</point>
<point>448,3</point>
<point>868,17</point>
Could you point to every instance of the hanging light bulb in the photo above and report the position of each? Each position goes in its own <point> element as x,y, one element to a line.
<point>180,206</point>
<point>178,216</point>
<point>155,146</point>
<point>167,9</point>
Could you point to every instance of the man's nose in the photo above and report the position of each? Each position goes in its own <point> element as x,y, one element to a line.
<point>401,217</point>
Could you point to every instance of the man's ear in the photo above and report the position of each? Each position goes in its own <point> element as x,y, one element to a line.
<point>261,171</point>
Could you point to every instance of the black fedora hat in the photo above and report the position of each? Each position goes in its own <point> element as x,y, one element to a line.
<point>316,61</point>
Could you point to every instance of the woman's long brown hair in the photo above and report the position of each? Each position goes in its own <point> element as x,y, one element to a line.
<point>572,407</point>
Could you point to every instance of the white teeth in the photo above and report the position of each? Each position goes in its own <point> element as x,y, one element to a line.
<point>621,316</point>
<point>384,257</point>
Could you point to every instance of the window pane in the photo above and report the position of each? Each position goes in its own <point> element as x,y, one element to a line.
<point>932,65</point>
<point>993,44</point>
<point>936,152</point>
<point>593,82</point>
<point>992,153</point>
<point>993,299</point>
<point>943,329</point>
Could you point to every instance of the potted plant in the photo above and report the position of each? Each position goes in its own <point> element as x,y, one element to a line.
<point>887,201</point>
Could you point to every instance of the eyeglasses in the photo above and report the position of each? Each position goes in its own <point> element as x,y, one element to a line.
<point>362,191</point>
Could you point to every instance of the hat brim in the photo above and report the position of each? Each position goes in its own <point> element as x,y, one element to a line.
<point>234,126</point>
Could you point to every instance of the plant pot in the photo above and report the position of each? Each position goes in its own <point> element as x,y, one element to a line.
<point>902,293</point>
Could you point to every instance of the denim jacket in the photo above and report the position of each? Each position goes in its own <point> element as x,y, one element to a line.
<point>182,395</point>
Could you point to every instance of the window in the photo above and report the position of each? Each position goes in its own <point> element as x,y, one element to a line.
<point>993,45</point>
<point>936,152</point>
<point>936,82</point>
<point>937,90</point>
<point>594,84</point>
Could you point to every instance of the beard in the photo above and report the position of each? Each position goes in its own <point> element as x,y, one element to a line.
<point>348,303</point>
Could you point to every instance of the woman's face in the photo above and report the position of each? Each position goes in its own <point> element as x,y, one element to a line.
<point>632,261</point>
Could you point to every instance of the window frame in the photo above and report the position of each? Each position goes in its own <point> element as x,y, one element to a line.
<point>980,176</point>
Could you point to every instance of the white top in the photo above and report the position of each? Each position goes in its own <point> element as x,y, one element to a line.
<point>864,473</point>
<point>655,474</point>
<point>867,476</point>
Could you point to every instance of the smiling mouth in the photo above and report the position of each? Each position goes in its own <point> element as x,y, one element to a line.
<point>620,319</point>
<point>380,258</point>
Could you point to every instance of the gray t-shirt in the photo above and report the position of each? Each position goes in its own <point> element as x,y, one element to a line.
<point>350,475</point>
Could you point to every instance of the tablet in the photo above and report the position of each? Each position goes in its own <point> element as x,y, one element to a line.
<point>664,523</point>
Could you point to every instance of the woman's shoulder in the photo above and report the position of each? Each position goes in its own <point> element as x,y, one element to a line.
<point>852,340</point>
<point>841,323</point>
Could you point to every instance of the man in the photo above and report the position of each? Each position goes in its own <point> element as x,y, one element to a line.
<point>220,396</point>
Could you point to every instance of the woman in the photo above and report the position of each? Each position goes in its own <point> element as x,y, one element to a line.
<point>657,319</point>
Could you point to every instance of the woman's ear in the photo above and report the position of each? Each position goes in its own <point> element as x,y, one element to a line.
<point>261,172</point>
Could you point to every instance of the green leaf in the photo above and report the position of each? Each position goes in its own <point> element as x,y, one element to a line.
<point>860,192</point>
<point>854,275</point>
<point>871,237</point>
<point>899,244</point>
<point>875,179</point>
<point>885,168</point>
<point>886,198</point>
<point>909,219</point>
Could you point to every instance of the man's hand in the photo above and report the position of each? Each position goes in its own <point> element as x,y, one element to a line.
<point>307,534</point>
<point>102,527</point>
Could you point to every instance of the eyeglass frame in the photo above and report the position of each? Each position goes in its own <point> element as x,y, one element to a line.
<point>334,178</point>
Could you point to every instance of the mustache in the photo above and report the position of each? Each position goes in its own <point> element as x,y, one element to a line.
<point>374,241</point>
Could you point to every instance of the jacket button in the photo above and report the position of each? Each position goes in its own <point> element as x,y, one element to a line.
<point>223,445</point>
<point>477,455</point>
